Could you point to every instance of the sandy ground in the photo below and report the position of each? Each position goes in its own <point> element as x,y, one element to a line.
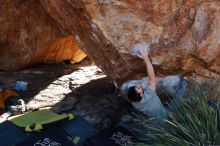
<point>80,89</point>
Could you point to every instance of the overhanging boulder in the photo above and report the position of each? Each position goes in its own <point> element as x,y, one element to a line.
<point>183,34</point>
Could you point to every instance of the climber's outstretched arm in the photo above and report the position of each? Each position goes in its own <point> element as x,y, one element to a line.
<point>150,69</point>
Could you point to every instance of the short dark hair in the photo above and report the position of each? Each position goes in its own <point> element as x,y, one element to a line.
<point>133,95</point>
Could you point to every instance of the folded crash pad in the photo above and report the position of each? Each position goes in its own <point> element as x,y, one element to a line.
<point>78,127</point>
<point>52,137</point>
<point>113,137</point>
<point>10,134</point>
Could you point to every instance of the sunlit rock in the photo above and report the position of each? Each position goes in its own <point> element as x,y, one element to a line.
<point>184,35</point>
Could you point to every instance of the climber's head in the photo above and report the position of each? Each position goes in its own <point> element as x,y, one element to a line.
<point>135,93</point>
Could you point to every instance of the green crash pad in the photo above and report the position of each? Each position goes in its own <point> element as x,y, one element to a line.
<point>36,120</point>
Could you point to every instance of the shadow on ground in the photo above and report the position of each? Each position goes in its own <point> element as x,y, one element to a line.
<point>82,90</point>
<point>38,78</point>
<point>97,101</point>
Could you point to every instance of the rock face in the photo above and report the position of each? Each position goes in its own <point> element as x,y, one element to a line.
<point>65,48</point>
<point>183,34</point>
<point>28,36</point>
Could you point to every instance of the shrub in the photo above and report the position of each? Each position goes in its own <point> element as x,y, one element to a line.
<point>196,124</point>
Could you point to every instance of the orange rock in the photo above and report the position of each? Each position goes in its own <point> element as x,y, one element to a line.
<point>29,36</point>
<point>65,48</point>
<point>33,31</point>
<point>178,32</point>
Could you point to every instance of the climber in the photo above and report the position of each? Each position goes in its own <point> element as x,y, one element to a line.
<point>142,93</point>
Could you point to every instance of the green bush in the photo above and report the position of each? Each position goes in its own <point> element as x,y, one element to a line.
<point>196,124</point>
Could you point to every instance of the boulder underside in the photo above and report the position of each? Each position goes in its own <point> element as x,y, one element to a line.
<point>184,35</point>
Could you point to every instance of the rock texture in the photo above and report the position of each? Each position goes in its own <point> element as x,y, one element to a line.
<point>65,48</point>
<point>183,34</point>
<point>29,36</point>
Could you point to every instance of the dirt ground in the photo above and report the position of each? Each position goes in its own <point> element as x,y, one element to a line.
<point>80,89</point>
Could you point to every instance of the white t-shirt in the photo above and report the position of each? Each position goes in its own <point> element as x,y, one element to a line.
<point>150,103</point>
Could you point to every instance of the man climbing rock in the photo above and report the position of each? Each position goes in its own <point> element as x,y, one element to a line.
<point>143,94</point>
